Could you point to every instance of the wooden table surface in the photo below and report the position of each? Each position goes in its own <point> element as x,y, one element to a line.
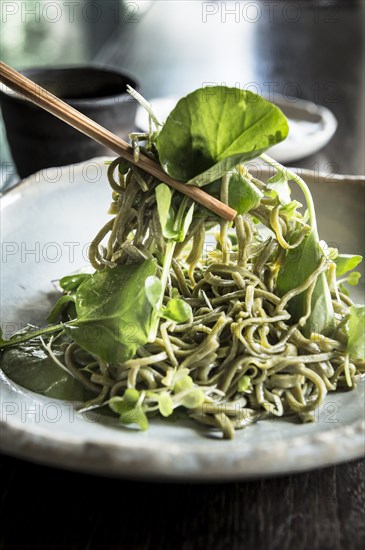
<point>313,50</point>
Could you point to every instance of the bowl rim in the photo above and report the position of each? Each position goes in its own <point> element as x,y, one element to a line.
<point>5,92</point>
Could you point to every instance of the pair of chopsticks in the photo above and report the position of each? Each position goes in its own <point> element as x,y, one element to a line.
<point>44,99</point>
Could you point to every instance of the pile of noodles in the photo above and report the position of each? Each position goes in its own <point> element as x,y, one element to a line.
<point>241,348</point>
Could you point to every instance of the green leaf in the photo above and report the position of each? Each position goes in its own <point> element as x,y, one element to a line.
<point>353,278</point>
<point>172,229</point>
<point>194,399</point>
<point>177,310</point>
<point>59,307</point>
<point>72,282</point>
<point>129,411</point>
<point>153,288</point>
<point>182,383</point>
<point>188,218</point>
<point>165,404</point>
<point>113,312</point>
<point>356,332</point>
<point>131,395</point>
<point>346,262</point>
<point>32,368</point>
<point>215,128</point>
<point>290,209</point>
<point>279,185</point>
<point>165,212</point>
<point>243,383</point>
<point>243,195</point>
<point>300,262</point>
<point>124,166</point>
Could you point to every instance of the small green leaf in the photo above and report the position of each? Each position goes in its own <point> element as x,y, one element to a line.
<point>129,411</point>
<point>165,212</point>
<point>346,262</point>
<point>163,198</point>
<point>170,232</point>
<point>194,399</point>
<point>243,383</point>
<point>356,331</point>
<point>59,307</point>
<point>153,288</point>
<point>290,209</point>
<point>243,195</point>
<point>279,185</point>
<point>177,310</point>
<point>188,218</point>
<point>131,395</point>
<point>72,282</point>
<point>354,278</point>
<point>183,383</point>
<point>123,167</point>
<point>165,404</point>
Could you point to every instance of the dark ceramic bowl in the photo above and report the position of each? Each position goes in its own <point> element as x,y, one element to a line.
<point>39,140</point>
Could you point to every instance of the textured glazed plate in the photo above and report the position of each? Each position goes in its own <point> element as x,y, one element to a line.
<point>311,126</point>
<point>47,222</point>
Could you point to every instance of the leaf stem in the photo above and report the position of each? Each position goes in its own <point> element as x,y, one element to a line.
<point>304,187</point>
<point>170,247</point>
<point>142,101</point>
<point>29,336</point>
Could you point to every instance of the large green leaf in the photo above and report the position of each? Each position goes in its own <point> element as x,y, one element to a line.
<point>300,263</point>
<point>113,312</point>
<point>31,367</point>
<point>213,129</point>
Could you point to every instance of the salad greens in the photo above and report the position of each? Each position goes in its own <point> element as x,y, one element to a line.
<point>300,263</point>
<point>261,323</point>
<point>243,196</point>
<point>31,366</point>
<point>113,311</point>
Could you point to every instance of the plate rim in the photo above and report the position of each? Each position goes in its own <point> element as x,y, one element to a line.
<point>123,461</point>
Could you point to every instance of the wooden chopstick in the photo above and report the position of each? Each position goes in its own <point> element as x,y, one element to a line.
<point>44,99</point>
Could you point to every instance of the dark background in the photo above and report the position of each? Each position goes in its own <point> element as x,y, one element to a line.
<point>312,50</point>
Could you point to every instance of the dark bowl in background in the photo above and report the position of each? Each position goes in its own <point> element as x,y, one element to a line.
<point>39,140</point>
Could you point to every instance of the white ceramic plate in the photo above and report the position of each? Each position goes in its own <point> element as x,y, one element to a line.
<point>47,222</point>
<point>311,126</point>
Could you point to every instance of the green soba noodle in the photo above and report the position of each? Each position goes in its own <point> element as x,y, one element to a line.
<point>241,349</point>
